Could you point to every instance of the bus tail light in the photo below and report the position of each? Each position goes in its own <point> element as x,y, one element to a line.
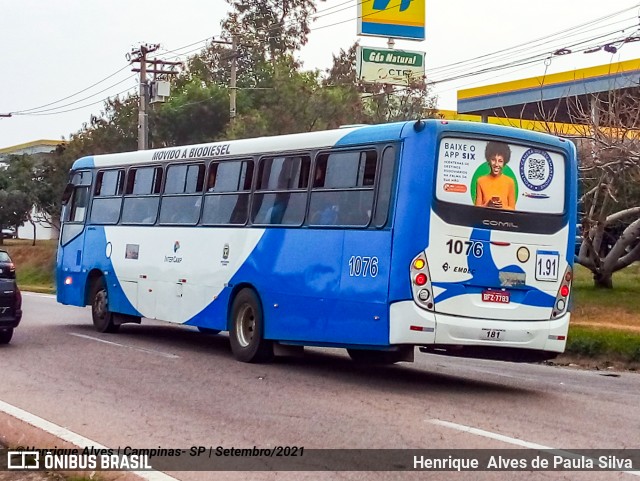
<point>562,298</point>
<point>421,282</point>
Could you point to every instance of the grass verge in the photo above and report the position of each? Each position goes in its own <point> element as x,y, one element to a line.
<point>35,265</point>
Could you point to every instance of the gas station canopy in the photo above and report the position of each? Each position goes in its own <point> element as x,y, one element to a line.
<point>548,98</point>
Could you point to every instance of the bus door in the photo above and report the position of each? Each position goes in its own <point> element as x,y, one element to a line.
<point>70,256</point>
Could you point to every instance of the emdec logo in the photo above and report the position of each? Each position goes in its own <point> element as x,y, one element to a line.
<point>174,258</point>
<point>225,255</point>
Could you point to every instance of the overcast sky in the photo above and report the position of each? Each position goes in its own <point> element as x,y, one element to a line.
<point>53,50</point>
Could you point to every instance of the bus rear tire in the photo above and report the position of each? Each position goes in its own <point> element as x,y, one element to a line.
<point>102,317</point>
<point>6,335</point>
<point>247,329</point>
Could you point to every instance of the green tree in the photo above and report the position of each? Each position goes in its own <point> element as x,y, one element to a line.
<point>14,209</point>
<point>269,29</point>
<point>289,100</point>
<point>21,175</point>
<point>606,133</point>
<point>195,113</point>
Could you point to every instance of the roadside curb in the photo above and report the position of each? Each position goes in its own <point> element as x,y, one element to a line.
<point>20,428</point>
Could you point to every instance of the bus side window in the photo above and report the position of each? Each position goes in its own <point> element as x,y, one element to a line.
<point>141,195</point>
<point>342,191</point>
<point>79,202</point>
<point>227,197</point>
<point>384,187</point>
<point>107,197</point>
<point>182,196</point>
<point>281,191</point>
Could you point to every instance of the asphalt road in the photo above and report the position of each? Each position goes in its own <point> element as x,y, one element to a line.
<point>160,385</point>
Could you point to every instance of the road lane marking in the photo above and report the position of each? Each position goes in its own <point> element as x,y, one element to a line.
<point>488,434</point>
<point>73,438</point>
<point>510,440</point>
<point>141,349</point>
<point>37,294</point>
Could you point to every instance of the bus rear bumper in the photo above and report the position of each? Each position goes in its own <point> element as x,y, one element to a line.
<point>470,337</point>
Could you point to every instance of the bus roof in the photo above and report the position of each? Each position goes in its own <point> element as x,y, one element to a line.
<point>233,148</point>
<point>341,137</point>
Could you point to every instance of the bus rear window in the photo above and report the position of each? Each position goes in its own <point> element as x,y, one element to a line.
<point>499,175</point>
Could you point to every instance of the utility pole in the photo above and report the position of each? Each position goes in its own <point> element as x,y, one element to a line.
<point>156,67</point>
<point>140,55</point>
<point>232,83</point>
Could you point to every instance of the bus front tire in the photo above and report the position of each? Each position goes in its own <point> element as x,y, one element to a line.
<point>247,330</point>
<point>102,318</point>
<point>6,335</point>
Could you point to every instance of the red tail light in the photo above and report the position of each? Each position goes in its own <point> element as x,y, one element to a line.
<point>564,291</point>
<point>421,279</point>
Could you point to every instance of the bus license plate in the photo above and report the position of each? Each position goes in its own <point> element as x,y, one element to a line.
<point>501,297</point>
<point>492,334</point>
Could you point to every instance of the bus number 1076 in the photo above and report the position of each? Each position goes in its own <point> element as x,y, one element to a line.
<point>363,266</point>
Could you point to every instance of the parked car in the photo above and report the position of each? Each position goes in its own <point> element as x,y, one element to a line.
<point>9,233</point>
<point>10,298</point>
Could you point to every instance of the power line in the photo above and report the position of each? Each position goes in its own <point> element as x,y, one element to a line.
<point>72,103</point>
<point>84,106</point>
<point>72,95</point>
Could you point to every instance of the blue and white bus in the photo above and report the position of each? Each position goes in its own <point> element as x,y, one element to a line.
<point>454,237</point>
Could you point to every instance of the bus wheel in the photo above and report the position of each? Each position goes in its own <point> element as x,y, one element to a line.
<point>6,335</point>
<point>373,357</point>
<point>247,330</point>
<point>102,317</point>
<point>208,330</point>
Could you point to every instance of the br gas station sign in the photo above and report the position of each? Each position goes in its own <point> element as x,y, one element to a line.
<point>392,18</point>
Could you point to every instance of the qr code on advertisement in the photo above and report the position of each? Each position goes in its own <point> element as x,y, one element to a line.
<point>537,169</point>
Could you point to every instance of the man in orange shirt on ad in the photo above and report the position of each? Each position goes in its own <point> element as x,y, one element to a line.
<point>496,189</point>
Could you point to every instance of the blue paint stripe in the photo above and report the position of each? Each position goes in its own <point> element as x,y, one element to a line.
<point>390,30</point>
<point>84,163</point>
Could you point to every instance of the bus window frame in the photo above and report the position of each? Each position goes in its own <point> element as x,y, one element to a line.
<point>122,171</point>
<point>256,191</point>
<point>246,191</point>
<point>157,195</point>
<point>379,150</point>
<point>197,196</point>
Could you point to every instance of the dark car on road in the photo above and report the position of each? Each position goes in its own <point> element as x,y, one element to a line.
<point>9,233</point>
<point>10,298</point>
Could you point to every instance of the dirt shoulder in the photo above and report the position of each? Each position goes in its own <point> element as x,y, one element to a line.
<point>604,364</point>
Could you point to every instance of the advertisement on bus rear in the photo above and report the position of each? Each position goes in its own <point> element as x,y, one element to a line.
<point>499,175</point>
